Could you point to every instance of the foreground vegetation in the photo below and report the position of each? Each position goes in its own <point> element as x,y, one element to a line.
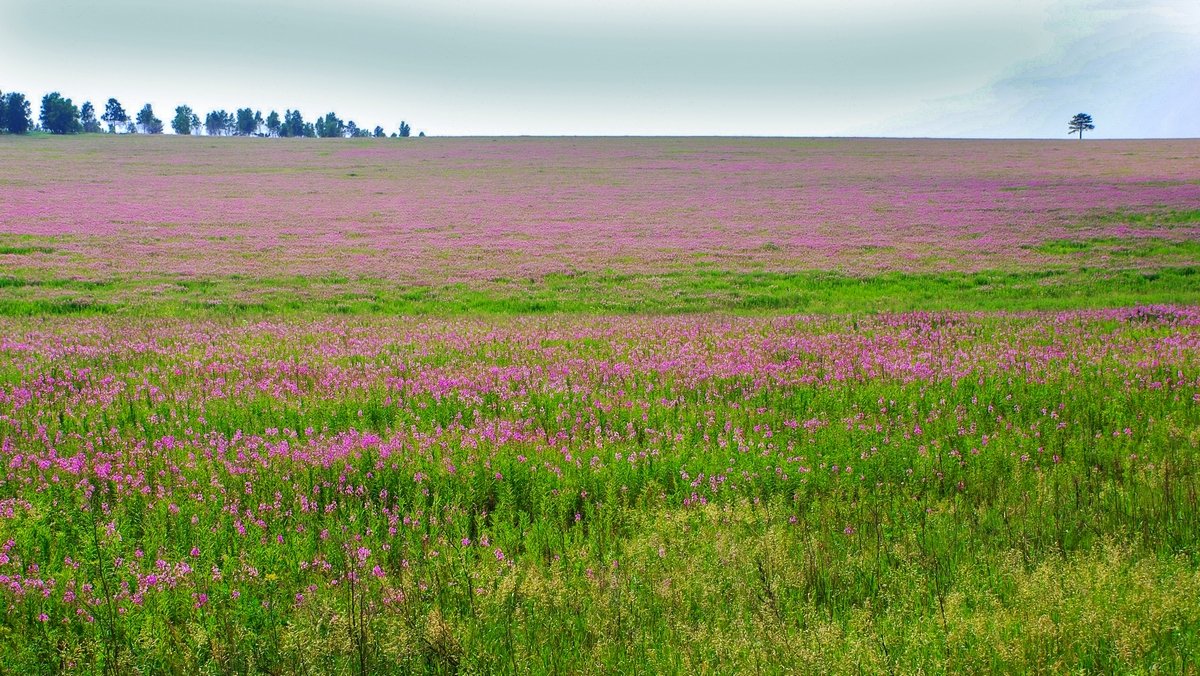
<point>936,492</point>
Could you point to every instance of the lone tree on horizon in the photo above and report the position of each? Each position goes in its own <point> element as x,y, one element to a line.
<point>1080,123</point>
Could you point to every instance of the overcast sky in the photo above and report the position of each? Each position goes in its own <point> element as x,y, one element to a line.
<point>760,67</point>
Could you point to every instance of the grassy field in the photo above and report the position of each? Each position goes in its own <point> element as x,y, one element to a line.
<point>197,226</point>
<point>599,406</point>
<point>699,291</point>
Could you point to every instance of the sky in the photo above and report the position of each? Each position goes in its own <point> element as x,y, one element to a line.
<point>945,68</point>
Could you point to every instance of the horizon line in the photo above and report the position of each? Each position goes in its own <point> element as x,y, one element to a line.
<point>1066,137</point>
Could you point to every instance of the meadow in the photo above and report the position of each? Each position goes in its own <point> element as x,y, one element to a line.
<point>143,225</point>
<point>599,406</point>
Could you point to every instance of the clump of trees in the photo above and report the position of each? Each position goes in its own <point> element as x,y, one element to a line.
<point>147,122</point>
<point>60,115</point>
<point>248,122</point>
<point>330,126</point>
<point>218,123</point>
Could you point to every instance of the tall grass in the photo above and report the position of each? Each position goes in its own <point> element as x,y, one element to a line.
<point>904,493</point>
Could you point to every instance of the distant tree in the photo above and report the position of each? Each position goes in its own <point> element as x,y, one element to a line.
<point>17,117</point>
<point>218,123</point>
<point>1080,123</point>
<point>422,135</point>
<point>114,114</point>
<point>273,124</point>
<point>258,121</point>
<point>405,130</point>
<point>148,122</point>
<point>59,115</point>
<point>195,123</point>
<point>309,130</point>
<point>330,126</point>
<point>379,132</point>
<point>182,123</point>
<point>293,124</point>
<point>14,114</point>
<point>244,124</point>
<point>87,117</point>
<point>298,126</point>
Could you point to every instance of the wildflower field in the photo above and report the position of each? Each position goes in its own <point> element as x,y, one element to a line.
<point>599,406</point>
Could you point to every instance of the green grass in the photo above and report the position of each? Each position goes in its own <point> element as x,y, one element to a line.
<point>1128,247</point>
<point>24,293</point>
<point>22,250</point>
<point>1153,218</point>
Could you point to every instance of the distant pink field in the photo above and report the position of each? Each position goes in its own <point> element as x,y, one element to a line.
<point>477,209</point>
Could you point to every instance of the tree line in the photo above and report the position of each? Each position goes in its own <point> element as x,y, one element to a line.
<point>59,115</point>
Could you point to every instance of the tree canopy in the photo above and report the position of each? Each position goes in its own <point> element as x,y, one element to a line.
<point>59,115</point>
<point>114,114</point>
<point>1080,123</point>
<point>148,122</point>
<point>246,125</point>
<point>273,123</point>
<point>294,125</point>
<point>87,117</point>
<point>15,118</point>
<point>182,122</point>
<point>219,123</point>
<point>330,126</point>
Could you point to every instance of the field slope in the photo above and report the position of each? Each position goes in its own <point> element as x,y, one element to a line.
<point>599,406</point>
<point>176,226</point>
